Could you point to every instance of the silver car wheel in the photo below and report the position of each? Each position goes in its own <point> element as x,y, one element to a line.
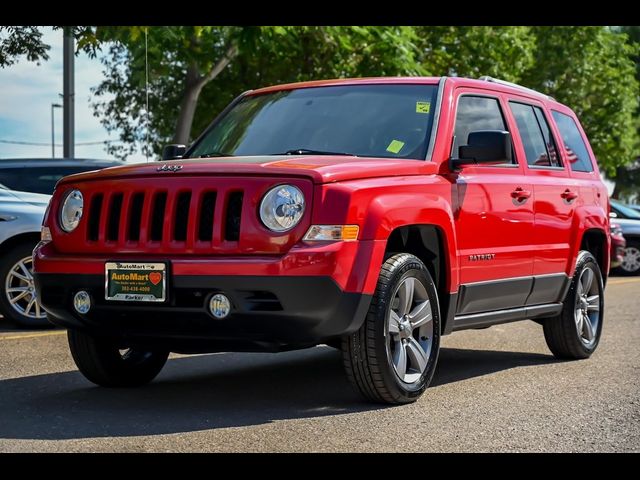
<point>587,310</point>
<point>409,330</point>
<point>631,260</point>
<point>20,290</point>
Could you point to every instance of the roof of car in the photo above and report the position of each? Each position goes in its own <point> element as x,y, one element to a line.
<point>347,81</point>
<point>57,162</point>
<point>488,83</point>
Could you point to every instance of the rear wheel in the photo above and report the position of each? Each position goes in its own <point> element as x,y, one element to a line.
<point>392,357</point>
<point>575,332</point>
<point>18,301</point>
<point>105,363</point>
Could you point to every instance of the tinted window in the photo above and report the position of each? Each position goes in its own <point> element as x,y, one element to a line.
<point>37,179</point>
<point>367,120</point>
<point>537,141</point>
<point>577,154</point>
<point>548,138</point>
<point>476,113</point>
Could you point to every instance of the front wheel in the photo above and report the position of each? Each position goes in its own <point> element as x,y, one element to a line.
<point>392,357</point>
<point>575,332</point>
<point>18,301</point>
<point>105,363</point>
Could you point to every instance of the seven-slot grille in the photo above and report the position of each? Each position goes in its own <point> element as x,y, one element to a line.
<point>182,217</point>
<point>167,216</point>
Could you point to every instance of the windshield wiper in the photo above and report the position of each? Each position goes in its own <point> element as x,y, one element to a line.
<point>215,154</point>
<point>306,151</point>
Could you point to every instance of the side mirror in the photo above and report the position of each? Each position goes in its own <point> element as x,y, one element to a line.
<point>484,146</point>
<point>173,151</point>
<point>613,215</point>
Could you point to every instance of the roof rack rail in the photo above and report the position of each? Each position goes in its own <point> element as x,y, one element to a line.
<point>486,78</point>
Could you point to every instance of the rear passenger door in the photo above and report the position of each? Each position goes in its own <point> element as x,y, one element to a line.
<point>555,198</point>
<point>494,216</point>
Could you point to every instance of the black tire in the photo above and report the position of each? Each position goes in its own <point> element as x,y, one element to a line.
<point>633,247</point>
<point>367,354</point>
<point>561,332</point>
<point>8,261</point>
<point>100,361</point>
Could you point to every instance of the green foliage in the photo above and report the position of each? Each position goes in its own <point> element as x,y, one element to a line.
<point>594,70</point>
<point>18,41</point>
<point>501,52</point>
<point>589,69</point>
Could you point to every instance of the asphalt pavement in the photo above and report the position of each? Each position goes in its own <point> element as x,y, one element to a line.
<point>497,389</point>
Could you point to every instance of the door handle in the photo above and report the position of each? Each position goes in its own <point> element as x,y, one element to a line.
<point>520,196</point>
<point>569,196</point>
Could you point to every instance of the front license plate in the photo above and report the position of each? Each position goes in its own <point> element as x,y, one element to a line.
<point>136,282</point>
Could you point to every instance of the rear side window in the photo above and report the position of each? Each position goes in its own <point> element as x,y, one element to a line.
<point>539,147</point>
<point>577,154</point>
<point>476,113</point>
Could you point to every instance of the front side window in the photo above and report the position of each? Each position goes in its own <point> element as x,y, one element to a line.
<point>476,113</point>
<point>391,121</point>
<point>539,147</point>
<point>577,154</point>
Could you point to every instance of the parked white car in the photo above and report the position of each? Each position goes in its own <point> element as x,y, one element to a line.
<point>21,216</point>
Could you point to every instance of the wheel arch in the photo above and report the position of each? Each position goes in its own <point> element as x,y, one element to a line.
<point>595,241</point>
<point>428,242</point>
<point>21,238</point>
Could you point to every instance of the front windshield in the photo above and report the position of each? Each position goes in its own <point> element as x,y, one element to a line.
<point>391,121</point>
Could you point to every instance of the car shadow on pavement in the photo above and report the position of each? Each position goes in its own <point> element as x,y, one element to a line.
<point>211,391</point>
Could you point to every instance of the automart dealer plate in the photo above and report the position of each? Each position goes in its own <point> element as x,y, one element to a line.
<point>136,282</point>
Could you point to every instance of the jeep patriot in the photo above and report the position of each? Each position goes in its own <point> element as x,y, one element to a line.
<point>374,215</point>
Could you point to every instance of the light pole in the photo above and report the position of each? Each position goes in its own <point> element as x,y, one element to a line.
<point>53,135</point>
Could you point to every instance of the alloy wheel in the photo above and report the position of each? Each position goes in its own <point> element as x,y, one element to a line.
<point>587,310</point>
<point>20,290</point>
<point>410,330</point>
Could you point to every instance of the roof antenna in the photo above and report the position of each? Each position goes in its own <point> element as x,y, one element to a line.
<point>146,84</point>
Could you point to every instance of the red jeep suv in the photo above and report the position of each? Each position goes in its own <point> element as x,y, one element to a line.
<point>374,215</point>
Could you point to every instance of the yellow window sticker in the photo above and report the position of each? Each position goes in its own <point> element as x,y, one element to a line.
<point>395,146</point>
<point>423,107</point>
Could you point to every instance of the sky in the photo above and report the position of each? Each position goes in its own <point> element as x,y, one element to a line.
<point>27,91</point>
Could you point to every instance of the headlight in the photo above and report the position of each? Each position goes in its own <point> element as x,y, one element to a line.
<point>616,229</point>
<point>71,211</point>
<point>282,208</point>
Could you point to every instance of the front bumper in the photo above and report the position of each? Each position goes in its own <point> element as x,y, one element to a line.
<point>268,313</point>
<point>305,297</point>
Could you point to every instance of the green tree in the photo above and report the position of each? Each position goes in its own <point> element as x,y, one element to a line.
<point>195,71</point>
<point>501,52</point>
<point>627,177</point>
<point>590,70</point>
<point>16,42</point>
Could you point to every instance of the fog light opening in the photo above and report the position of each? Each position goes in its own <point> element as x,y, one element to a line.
<point>82,302</point>
<point>219,306</point>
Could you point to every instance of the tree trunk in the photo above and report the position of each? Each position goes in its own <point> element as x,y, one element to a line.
<point>193,86</point>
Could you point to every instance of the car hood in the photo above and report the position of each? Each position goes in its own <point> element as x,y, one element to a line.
<point>629,226</point>
<point>12,196</point>
<point>320,168</point>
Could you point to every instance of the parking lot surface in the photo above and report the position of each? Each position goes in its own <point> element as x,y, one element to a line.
<point>497,389</point>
